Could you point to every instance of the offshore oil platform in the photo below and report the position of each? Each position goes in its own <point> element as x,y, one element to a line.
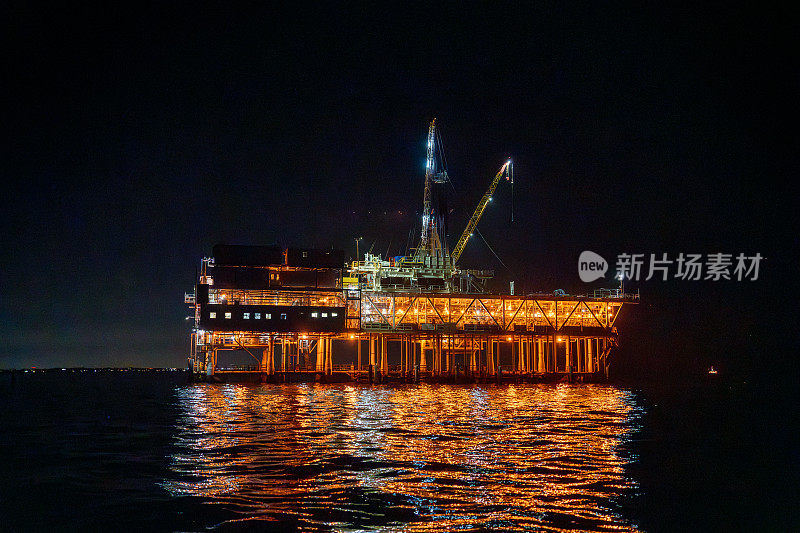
<point>308,315</point>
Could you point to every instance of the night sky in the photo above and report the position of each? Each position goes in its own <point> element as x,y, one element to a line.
<point>139,137</point>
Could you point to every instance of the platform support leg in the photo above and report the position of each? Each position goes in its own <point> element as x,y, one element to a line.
<point>384,356</point>
<point>211,362</point>
<point>320,367</point>
<point>490,368</point>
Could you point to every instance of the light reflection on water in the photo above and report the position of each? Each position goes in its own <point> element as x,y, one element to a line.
<point>407,457</point>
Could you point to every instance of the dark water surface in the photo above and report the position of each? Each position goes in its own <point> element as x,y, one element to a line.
<point>125,450</point>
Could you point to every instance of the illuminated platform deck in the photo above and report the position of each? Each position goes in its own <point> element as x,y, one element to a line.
<point>350,334</point>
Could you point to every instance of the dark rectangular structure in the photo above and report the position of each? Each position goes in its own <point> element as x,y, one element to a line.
<point>311,258</point>
<point>230,277</point>
<point>238,255</point>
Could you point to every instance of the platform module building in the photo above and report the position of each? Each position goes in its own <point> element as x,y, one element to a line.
<point>269,289</point>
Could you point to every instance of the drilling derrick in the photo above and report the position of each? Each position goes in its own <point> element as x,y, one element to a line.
<point>430,267</point>
<point>430,251</point>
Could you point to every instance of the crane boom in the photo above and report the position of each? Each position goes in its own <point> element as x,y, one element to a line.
<point>476,216</point>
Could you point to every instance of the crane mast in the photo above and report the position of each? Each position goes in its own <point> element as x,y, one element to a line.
<point>476,216</point>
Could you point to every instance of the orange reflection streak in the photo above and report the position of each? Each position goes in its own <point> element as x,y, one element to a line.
<point>449,457</point>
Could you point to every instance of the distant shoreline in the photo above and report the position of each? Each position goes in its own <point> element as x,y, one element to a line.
<point>90,369</point>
